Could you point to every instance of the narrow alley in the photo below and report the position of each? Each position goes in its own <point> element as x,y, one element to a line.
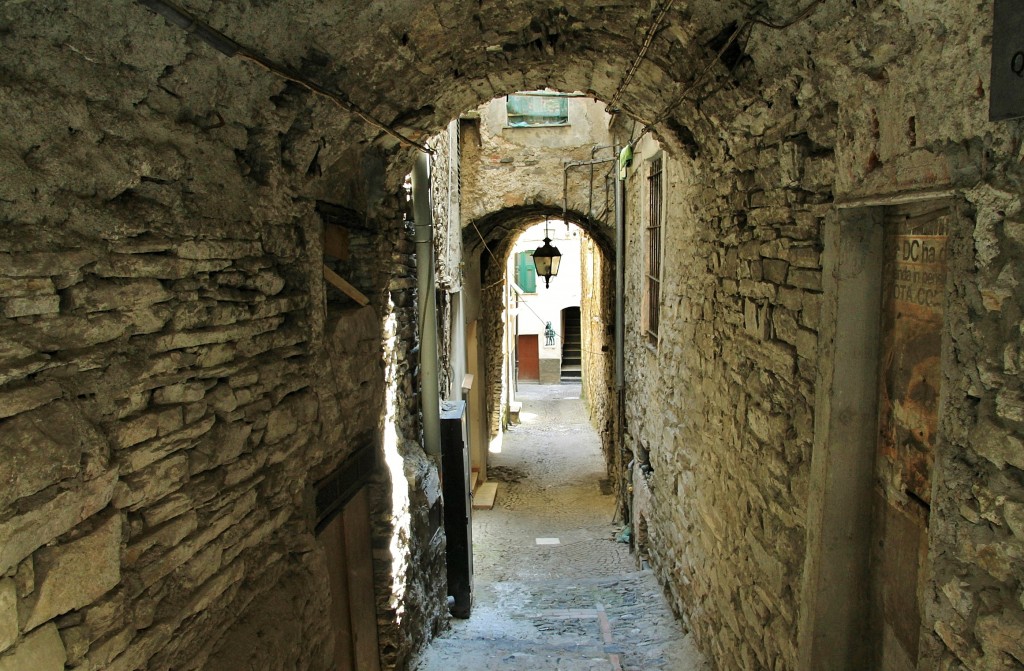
<point>553,588</point>
<point>271,270</point>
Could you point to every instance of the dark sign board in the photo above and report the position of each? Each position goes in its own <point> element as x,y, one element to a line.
<point>1007,100</point>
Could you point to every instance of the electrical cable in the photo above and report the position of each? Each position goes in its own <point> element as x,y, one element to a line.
<point>648,40</point>
<point>748,23</point>
<point>231,48</point>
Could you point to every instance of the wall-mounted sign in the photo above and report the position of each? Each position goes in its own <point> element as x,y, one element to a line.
<point>910,376</point>
<point>1007,95</point>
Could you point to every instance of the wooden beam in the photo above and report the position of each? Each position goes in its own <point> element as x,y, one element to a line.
<point>336,242</point>
<point>345,288</point>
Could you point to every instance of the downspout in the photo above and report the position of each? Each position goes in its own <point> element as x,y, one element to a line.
<point>430,396</point>
<point>620,282</point>
<point>620,338</point>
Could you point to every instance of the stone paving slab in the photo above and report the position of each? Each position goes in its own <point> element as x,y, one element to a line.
<point>580,605</point>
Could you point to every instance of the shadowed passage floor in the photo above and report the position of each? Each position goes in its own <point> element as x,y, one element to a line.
<point>553,589</point>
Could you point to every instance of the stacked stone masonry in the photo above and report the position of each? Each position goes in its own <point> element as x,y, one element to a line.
<point>172,385</point>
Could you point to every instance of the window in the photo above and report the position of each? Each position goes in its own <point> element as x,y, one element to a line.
<point>526,272</point>
<point>537,108</point>
<point>655,217</point>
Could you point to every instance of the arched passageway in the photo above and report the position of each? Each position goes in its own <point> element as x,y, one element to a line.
<point>179,386</point>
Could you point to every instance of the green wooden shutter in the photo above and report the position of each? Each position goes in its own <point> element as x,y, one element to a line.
<point>526,272</point>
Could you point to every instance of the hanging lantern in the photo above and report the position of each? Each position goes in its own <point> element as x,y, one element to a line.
<point>547,258</point>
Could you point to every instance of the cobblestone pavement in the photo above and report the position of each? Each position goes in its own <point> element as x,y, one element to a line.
<point>578,604</point>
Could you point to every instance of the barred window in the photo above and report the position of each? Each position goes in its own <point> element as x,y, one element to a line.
<point>655,218</point>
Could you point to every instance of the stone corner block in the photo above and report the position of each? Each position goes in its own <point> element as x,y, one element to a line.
<point>42,650</point>
<point>8,613</point>
<point>75,574</point>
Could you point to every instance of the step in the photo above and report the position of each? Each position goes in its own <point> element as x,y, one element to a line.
<point>483,497</point>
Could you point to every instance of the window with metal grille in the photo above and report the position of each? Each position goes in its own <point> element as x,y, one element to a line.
<point>655,217</point>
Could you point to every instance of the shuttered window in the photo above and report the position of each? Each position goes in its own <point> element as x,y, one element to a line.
<point>526,272</point>
<point>537,109</point>
<point>655,219</point>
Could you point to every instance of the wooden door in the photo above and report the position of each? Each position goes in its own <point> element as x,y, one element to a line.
<point>347,543</point>
<point>528,351</point>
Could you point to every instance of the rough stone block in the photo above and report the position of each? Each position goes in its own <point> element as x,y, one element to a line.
<point>805,278</point>
<point>216,335</point>
<point>182,392</point>
<point>1002,635</point>
<point>1010,405</point>
<point>155,266</point>
<point>804,257</point>
<point>38,449</point>
<point>168,508</point>
<point>75,574</point>
<point>63,332</point>
<point>27,286</point>
<point>775,270</point>
<point>26,306</point>
<point>44,264</point>
<point>17,401</point>
<point>116,295</point>
<point>165,535</point>
<point>8,613</point>
<point>997,445</point>
<point>750,251</point>
<point>152,483</point>
<point>158,423</point>
<point>786,328</point>
<point>223,445</point>
<point>22,534</point>
<point>42,650</point>
<point>218,249</point>
<point>150,452</point>
<point>283,422</point>
<point>1013,512</point>
<point>807,344</point>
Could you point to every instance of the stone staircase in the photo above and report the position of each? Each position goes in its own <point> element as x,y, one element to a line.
<point>572,350</point>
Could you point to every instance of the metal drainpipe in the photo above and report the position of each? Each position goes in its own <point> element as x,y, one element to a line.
<point>430,396</point>
<point>620,283</point>
<point>620,339</point>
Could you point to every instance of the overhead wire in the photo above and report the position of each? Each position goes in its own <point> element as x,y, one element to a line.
<point>230,48</point>
<point>753,18</point>
<point>652,31</point>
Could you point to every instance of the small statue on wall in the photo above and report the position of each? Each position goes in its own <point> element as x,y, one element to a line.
<point>549,335</point>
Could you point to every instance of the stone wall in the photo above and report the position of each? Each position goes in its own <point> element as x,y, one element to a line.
<point>165,381</point>
<point>597,325</point>
<point>721,414</point>
<point>171,385</point>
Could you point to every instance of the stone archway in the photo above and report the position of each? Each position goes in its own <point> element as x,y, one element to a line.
<point>162,295</point>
